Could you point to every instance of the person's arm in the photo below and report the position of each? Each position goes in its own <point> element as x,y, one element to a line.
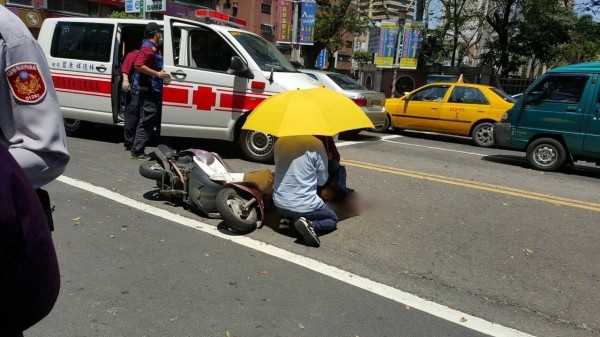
<point>140,65</point>
<point>32,124</point>
<point>321,166</point>
<point>126,86</point>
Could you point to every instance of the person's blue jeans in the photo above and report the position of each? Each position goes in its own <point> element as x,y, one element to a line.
<point>322,219</point>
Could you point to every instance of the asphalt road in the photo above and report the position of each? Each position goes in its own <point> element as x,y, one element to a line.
<point>471,229</point>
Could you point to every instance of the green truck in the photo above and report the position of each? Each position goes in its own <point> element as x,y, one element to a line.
<point>557,119</point>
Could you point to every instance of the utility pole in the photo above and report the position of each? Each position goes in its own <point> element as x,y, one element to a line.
<point>295,47</point>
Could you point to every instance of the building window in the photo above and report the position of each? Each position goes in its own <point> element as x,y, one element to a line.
<point>80,7</point>
<point>343,58</point>
<point>265,8</point>
<point>266,28</point>
<point>349,44</point>
<point>20,2</point>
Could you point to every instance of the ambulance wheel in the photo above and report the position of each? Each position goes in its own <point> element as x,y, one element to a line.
<point>546,154</point>
<point>74,127</point>
<point>230,206</point>
<point>257,146</point>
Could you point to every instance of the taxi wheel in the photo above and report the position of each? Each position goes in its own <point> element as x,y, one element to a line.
<point>74,127</point>
<point>546,154</point>
<point>257,146</point>
<point>482,134</point>
<point>386,125</point>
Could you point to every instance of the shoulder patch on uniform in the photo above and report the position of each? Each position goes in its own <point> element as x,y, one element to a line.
<point>25,82</point>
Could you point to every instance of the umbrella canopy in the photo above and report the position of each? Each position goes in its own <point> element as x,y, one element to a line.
<point>319,111</point>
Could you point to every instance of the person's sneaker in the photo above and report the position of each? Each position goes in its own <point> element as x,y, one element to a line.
<point>142,156</point>
<point>285,224</point>
<point>127,148</point>
<point>305,228</point>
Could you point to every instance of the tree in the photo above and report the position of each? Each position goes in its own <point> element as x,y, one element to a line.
<point>434,48</point>
<point>334,22</point>
<point>502,19</point>
<point>543,28</point>
<point>123,15</point>
<point>362,56</point>
<point>464,19</point>
<point>584,45</point>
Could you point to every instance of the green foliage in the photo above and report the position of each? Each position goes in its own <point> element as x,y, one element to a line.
<point>335,21</point>
<point>433,48</point>
<point>584,45</point>
<point>362,56</point>
<point>123,15</point>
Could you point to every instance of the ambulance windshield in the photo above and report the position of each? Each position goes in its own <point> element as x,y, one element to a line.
<point>264,53</point>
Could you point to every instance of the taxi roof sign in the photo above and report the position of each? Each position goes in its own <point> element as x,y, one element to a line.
<point>211,16</point>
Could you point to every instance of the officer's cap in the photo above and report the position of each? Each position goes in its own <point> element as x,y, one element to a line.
<point>152,27</point>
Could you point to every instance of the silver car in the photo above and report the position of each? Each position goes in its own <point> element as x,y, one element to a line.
<point>371,102</point>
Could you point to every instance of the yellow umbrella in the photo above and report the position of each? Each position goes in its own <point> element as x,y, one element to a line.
<point>319,111</point>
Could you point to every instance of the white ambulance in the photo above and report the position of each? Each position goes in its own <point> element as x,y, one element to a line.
<point>219,74</point>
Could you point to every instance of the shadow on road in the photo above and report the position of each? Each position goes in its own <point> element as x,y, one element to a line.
<point>114,134</point>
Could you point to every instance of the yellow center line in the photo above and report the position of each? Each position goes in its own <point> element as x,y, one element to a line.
<point>476,185</point>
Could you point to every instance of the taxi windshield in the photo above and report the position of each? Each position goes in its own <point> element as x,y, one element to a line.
<point>264,53</point>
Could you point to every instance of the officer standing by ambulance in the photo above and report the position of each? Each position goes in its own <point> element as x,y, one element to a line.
<point>148,84</point>
<point>32,130</point>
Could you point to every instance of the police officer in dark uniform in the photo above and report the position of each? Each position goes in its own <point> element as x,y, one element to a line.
<point>148,84</point>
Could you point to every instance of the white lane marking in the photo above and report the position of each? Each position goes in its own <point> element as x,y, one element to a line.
<point>383,290</point>
<point>349,142</point>
<point>436,148</point>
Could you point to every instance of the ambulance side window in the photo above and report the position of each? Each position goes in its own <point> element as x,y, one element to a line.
<point>209,51</point>
<point>82,41</point>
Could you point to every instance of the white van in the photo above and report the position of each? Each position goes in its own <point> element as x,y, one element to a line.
<point>219,74</point>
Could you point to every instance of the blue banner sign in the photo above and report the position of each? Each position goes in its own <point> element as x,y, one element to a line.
<point>320,63</point>
<point>308,15</point>
<point>388,38</point>
<point>410,45</point>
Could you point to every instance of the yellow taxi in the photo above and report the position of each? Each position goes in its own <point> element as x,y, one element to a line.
<point>453,108</point>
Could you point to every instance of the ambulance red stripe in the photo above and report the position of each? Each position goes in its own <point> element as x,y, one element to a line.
<point>82,85</point>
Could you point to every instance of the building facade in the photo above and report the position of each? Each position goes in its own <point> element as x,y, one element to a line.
<point>33,12</point>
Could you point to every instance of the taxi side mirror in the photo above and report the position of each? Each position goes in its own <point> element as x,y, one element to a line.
<point>237,67</point>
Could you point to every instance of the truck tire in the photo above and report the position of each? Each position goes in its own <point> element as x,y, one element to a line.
<point>228,204</point>
<point>257,146</point>
<point>546,154</point>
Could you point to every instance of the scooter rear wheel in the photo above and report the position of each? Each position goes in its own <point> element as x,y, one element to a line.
<point>229,204</point>
<point>151,169</point>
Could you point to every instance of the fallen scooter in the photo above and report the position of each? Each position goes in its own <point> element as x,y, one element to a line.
<point>203,181</point>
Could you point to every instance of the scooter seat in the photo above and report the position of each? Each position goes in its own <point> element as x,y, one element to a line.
<point>206,157</point>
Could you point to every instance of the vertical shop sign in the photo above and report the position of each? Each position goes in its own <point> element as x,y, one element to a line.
<point>387,44</point>
<point>308,15</point>
<point>410,45</point>
<point>283,31</point>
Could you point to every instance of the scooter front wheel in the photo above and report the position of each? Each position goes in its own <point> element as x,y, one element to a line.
<point>230,206</point>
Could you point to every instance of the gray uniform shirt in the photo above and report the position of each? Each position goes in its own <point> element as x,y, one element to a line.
<point>31,124</point>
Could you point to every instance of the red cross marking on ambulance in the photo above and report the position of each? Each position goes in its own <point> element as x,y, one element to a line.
<point>204,98</point>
